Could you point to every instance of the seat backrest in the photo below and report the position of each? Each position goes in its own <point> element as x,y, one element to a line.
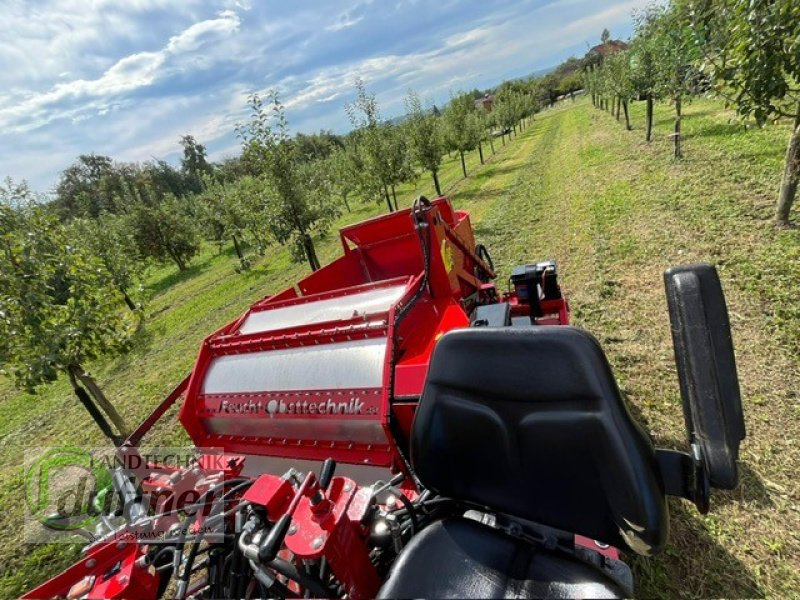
<point>530,422</point>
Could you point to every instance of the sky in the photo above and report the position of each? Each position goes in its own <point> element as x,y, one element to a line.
<point>128,79</point>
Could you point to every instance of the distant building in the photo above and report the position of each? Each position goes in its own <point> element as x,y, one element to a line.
<point>609,48</point>
<point>486,103</point>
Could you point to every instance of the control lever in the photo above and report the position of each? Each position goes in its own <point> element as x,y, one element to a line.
<point>326,473</point>
<point>396,480</point>
<point>270,546</point>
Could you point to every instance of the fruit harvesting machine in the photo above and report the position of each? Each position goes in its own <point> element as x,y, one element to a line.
<point>396,425</point>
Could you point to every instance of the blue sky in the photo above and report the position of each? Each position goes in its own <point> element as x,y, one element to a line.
<point>128,79</point>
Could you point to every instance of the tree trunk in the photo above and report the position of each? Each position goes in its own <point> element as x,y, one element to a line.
<point>619,107</point>
<point>77,372</point>
<point>627,115</point>
<point>463,164</point>
<point>237,248</point>
<point>386,196</point>
<point>480,151</point>
<point>503,137</point>
<point>491,143</point>
<point>394,197</point>
<point>436,183</point>
<point>177,259</point>
<point>131,304</point>
<point>791,178</point>
<point>797,117</point>
<point>649,118</point>
<point>678,117</point>
<point>346,203</point>
<point>311,253</point>
<point>96,415</point>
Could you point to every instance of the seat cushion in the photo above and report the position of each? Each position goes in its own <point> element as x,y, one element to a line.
<point>531,423</point>
<point>460,558</point>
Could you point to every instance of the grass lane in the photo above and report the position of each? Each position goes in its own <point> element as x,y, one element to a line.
<point>615,213</point>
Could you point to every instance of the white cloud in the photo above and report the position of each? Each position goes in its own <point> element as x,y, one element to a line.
<point>344,23</point>
<point>43,39</point>
<point>462,56</point>
<point>128,79</point>
<point>127,74</point>
<point>195,36</point>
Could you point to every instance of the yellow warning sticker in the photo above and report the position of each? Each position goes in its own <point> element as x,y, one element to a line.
<point>447,256</point>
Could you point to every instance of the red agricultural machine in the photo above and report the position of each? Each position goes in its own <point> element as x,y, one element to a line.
<point>397,426</point>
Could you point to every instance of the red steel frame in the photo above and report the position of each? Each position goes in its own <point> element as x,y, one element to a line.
<point>378,253</point>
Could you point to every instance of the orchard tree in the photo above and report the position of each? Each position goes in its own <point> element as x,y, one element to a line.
<point>222,214</point>
<point>371,139</point>
<point>572,83</point>
<point>91,186</point>
<point>342,171</point>
<point>425,137</point>
<point>677,52</point>
<point>162,178</point>
<point>59,310</point>
<point>489,126</point>
<point>645,59</point>
<point>462,126</point>
<point>481,131</point>
<point>592,85</point>
<point>316,146</point>
<point>620,78</point>
<point>398,156</point>
<point>252,198</point>
<point>548,89</point>
<point>15,195</point>
<point>505,111</point>
<point>212,217</point>
<point>752,53</point>
<point>108,239</point>
<point>164,230</point>
<point>194,164</point>
<point>299,195</point>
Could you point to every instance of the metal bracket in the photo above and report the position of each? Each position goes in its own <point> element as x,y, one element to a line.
<point>684,476</point>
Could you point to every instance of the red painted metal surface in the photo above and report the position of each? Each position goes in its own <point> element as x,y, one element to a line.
<point>109,570</point>
<point>379,254</point>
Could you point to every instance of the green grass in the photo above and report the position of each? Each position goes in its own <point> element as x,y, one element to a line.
<point>614,211</point>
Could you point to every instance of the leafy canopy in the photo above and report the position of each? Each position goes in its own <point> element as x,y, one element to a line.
<point>59,305</point>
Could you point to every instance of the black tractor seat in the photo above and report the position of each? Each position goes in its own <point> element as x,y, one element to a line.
<point>460,558</point>
<point>529,423</point>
